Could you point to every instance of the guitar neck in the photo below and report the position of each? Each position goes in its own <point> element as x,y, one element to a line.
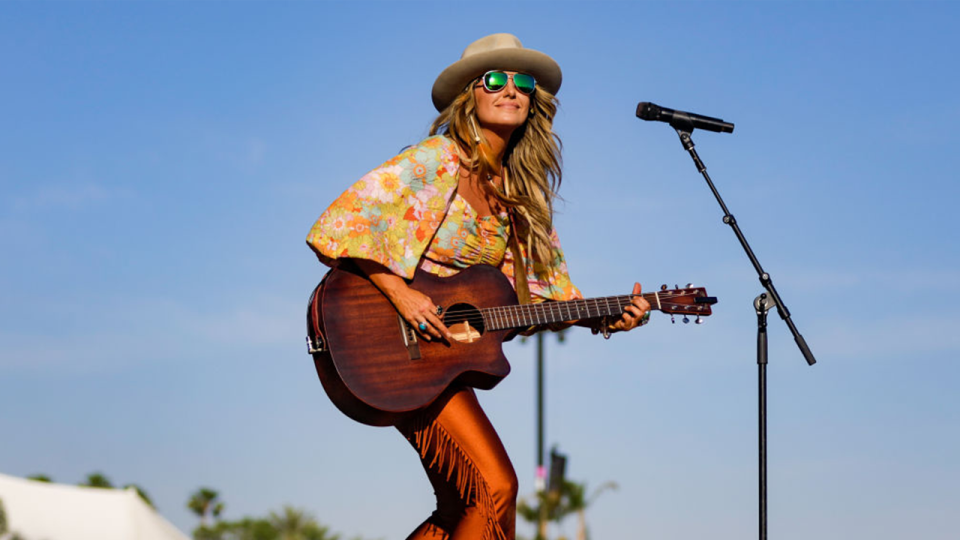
<point>524,316</point>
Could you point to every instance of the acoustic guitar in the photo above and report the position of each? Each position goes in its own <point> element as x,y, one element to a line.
<point>376,369</point>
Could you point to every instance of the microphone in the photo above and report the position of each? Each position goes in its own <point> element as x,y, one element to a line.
<point>680,119</point>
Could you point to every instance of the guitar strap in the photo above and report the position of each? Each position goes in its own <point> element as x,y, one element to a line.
<point>519,264</point>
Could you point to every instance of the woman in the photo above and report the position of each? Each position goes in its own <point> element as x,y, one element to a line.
<point>480,190</point>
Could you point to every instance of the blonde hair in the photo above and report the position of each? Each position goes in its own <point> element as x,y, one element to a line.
<point>530,170</point>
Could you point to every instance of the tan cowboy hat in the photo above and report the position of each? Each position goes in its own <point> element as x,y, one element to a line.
<point>496,51</point>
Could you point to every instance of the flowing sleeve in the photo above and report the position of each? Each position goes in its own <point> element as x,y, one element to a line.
<point>546,282</point>
<point>390,215</point>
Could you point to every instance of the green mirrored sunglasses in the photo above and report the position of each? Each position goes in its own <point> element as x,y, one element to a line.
<point>495,81</point>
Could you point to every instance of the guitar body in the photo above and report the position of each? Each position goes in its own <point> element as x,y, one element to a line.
<point>377,370</point>
<point>374,367</point>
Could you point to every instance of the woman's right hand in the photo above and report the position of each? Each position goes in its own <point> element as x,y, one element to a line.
<point>415,307</point>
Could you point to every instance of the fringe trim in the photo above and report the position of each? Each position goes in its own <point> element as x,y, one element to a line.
<point>435,532</point>
<point>450,457</point>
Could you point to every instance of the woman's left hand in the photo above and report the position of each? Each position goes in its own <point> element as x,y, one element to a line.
<point>634,315</point>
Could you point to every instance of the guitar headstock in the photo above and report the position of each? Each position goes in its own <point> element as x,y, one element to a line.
<point>687,301</point>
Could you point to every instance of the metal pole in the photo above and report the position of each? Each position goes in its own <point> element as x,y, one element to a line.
<point>541,470</point>
<point>762,304</point>
<point>540,467</point>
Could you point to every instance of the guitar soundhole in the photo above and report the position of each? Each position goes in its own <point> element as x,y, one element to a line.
<point>465,323</point>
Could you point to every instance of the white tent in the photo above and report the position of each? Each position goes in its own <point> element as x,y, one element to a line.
<point>42,511</point>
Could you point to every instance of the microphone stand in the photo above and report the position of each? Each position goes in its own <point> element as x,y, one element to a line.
<point>762,304</point>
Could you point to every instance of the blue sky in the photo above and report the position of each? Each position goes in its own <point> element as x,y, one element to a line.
<point>161,164</point>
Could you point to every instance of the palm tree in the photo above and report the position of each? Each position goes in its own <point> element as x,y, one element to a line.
<point>546,509</point>
<point>204,501</point>
<point>576,501</point>
<point>295,524</point>
<point>97,480</point>
<point>290,524</point>
<point>571,499</point>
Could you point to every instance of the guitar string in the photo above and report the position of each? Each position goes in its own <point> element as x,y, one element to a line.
<point>550,308</point>
<point>547,310</point>
<point>514,318</point>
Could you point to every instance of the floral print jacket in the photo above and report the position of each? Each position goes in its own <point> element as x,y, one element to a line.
<point>392,213</point>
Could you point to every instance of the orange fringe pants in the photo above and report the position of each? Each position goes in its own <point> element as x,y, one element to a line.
<point>474,481</point>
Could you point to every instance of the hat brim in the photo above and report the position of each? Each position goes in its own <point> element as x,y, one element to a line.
<point>455,78</point>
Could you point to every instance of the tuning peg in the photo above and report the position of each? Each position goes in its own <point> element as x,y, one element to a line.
<point>689,285</point>
<point>675,286</point>
<point>686,320</point>
<point>699,320</point>
<point>663,287</point>
<point>672,320</point>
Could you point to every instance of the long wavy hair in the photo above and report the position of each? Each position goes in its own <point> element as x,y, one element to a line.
<point>531,168</point>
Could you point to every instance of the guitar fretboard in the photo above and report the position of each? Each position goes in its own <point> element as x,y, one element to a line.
<point>522,316</point>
